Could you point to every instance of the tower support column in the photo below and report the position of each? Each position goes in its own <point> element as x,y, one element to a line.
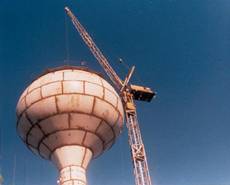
<point>72,175</point>
<point>71,162</point>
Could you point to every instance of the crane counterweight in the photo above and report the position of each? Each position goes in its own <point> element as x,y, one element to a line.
<point>142,93</point>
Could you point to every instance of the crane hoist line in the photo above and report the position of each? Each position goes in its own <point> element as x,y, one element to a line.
<point>128,93</point>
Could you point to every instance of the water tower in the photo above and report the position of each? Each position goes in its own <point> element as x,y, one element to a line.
<point>69,115</point>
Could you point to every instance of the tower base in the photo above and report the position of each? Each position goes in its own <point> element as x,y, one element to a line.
<point>72,175</point>
<point>72,162</point>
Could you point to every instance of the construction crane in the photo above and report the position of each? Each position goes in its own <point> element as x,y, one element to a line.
<point>128,93</point>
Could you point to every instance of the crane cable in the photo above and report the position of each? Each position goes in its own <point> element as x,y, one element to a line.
<point>67,50</point>
<point>127,67</point>
<point>122,159</point>
<point>14,170</point>
<point>1,176</point>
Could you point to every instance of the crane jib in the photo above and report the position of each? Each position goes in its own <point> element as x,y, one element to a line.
<point>95,51</point>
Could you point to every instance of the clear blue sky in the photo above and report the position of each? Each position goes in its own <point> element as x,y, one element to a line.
<point>180,48</point>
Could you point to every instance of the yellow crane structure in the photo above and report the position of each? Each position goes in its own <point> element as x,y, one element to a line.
<point>128,93</point>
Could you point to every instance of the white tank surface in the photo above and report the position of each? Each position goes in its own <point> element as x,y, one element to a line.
<point>69,115</point>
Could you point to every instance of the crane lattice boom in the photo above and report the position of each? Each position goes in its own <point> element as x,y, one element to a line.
<point>95,50</point>
<point>128,94</point>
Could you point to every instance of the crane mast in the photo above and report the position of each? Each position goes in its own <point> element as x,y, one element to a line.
<point>129,93</point>
<point>139,158</point>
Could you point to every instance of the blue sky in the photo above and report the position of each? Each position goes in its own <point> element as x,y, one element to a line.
<point>180,48</point>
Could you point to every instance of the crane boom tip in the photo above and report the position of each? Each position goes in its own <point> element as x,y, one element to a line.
<point>67,9</point>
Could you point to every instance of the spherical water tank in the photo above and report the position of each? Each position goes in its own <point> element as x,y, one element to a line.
<point>69,115</point>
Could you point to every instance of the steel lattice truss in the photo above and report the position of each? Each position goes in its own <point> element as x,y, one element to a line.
<point>128,93</point>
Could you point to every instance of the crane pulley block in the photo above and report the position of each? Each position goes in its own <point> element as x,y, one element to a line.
<point>142,93</point>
